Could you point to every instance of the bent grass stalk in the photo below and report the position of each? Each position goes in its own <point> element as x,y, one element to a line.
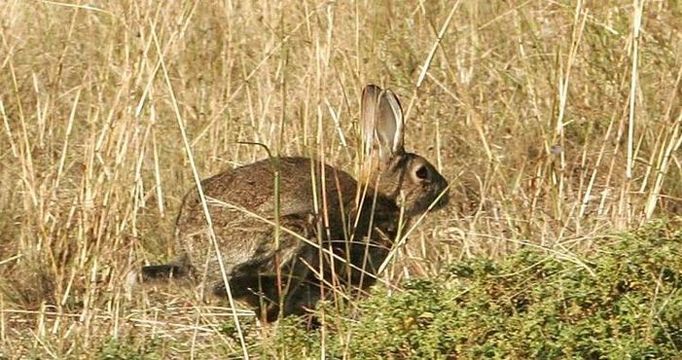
<point>202,197</point>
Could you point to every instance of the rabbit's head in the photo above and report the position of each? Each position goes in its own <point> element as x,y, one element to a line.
<point>407,178</point>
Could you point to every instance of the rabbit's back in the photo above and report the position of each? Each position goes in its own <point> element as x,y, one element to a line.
<point>241,203</point>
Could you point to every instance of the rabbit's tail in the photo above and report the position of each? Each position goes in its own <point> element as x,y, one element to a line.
<point>148,274</point>
<point>163,271</point>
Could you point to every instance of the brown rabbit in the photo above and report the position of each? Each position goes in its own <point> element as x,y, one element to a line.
<point>323,211</point>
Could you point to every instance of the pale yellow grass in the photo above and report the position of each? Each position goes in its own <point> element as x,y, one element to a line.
<point>554,122</point>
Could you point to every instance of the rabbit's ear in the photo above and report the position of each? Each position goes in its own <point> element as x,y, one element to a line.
<point>382,122</point>
<point>369,106</point>
<point>389,123</point>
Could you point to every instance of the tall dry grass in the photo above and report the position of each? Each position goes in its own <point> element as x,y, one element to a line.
<point>554,121</point>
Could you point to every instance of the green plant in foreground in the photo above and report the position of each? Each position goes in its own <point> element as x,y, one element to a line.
<point>121,349</point>
<point>623,301</point>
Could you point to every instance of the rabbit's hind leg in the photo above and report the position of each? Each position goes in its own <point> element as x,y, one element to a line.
<point>274,268</point>
<point>266,291</point>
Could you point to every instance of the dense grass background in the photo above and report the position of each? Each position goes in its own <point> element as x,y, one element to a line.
<point>557,123</point>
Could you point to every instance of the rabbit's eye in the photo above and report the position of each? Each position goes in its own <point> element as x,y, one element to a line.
<point>422,173</point>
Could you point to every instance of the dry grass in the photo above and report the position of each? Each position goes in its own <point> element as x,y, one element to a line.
<point>554,121</point>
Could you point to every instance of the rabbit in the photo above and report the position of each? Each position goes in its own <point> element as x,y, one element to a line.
<point>334,229</point>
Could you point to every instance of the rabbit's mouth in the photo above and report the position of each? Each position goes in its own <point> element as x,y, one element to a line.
<point>436,201</point>
<point>442,201</point>
<point>439,201</point>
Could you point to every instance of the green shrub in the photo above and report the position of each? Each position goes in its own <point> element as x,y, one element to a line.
<point>622,301</point>
<point>115,349</point>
